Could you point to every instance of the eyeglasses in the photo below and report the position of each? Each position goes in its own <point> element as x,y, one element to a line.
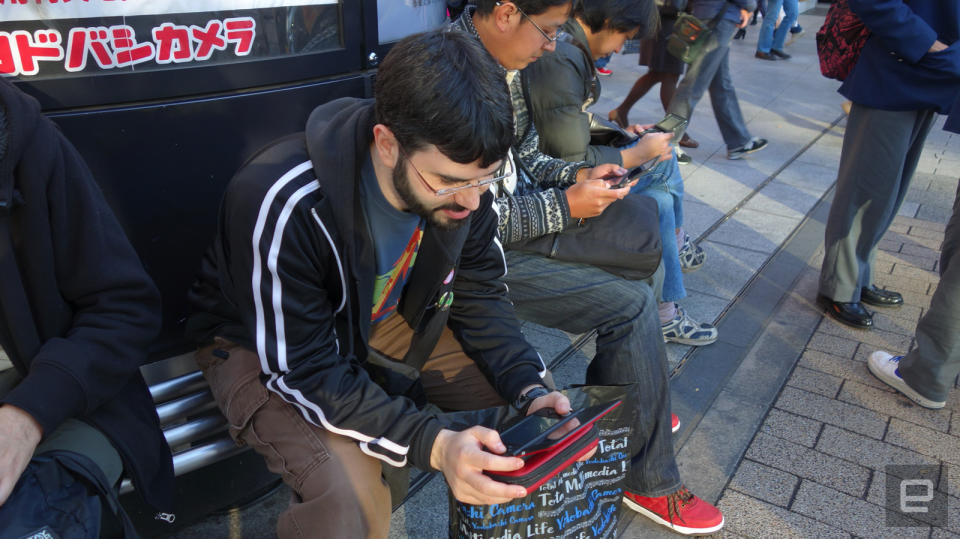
<point>502,173</point>
<point>550,39</point>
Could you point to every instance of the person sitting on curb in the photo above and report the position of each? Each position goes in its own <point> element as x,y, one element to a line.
<point>577,297</point>
<point>77,315</point>
<point>927,373</point>
<point>356,270</point>
<point>561,87</point>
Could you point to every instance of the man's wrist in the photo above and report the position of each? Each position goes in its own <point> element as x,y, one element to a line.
<point>527,396</point>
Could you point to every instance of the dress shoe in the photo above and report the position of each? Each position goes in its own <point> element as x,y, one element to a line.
<point>765,56</point>
<point>851,314</point>
<point>688,142</point>
<point>780,54</point>
<point>878,297</point>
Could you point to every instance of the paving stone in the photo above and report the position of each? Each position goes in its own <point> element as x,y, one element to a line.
<point>883,267</point>
<point>873,454</point>
<point>892,246</point>
<point>809,464</point>
<point>952,485</point>
<point>912,255</point>
<point>903,270</point>
<point>815,382</point>
<point>754,230</point>
<point>937,214</point>
<point>886,402</point>
<point>808,175</point>
<point>906,312</point>
<point>955,424</point>
<point>847,369</point>
<point>924,440</point>
<point>878,339</point>
<point>902,284</point>
<point>856,516</point>
<point>926,232</point>
<point>728,269</point>
<point>722,193</point>
<point>786,200</point>
<point>698,217</point>
<point>764,483</point>
<point>908,209</point>
<point>791,427</point>
<point>831,411</point>
<point>883,320</point>
<point>831,344</point>
<point>754,518</point>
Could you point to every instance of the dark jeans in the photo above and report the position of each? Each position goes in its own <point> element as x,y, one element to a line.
<point>578,298</point>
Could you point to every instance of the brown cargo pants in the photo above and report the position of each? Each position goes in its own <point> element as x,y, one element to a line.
<point>339,490</point>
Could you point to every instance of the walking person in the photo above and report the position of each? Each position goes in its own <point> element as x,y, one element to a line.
<point>773,36</point>
<point>712,71</point>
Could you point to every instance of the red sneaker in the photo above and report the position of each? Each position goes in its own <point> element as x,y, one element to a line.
<point>674,423</point>
<point>604,71</point>
<point>681,511</point>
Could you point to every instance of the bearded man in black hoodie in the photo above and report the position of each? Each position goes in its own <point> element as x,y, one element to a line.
<point>77,313</point>
<point>357,268</point>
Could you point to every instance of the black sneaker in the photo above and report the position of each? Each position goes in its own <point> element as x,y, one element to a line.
<point>780,54</point>
<point>765,56</point>
<point>753,145</point>
<point>683,158</point>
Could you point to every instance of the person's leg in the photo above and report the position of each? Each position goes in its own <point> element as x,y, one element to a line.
<point>931,368</point>
<point>766,38</point>
<point>870,186</point>
<point>639,89</point>
<point>578,298</point>
<point>340,491</point>
<point>668,88</point>
<point>699,75</point>
<point>656,184</point>
<point>790,12</point>
<point>723,96</point>
<point>921,125</point>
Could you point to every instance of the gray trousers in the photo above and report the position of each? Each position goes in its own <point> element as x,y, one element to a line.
<point>881,149</point>
<point>932,367</point>
<point>712,71</point>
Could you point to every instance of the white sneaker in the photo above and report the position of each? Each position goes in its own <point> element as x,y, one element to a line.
<point>885,367</point>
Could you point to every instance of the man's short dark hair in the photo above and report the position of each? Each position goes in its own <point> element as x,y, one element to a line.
<point>530,7</point>
<point>618,15</point>
<point>443,88</point>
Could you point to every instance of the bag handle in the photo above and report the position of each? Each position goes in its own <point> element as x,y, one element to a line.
<point>82,466</point>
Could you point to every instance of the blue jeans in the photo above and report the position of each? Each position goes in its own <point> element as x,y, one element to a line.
<point>578,298</point>
<point>664,184</point>
<point>770,39</point>
<point>712,70</point>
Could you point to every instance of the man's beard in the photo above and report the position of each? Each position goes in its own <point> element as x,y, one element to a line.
<point>433,216</point>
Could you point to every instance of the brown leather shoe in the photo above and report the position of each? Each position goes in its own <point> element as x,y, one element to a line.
<point>688,142</point>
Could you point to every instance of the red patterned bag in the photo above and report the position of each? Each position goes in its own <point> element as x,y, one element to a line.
<point>840,40</point>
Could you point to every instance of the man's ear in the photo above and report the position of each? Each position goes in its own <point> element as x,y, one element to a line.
<point>386,145</point>
<point>502,15</point>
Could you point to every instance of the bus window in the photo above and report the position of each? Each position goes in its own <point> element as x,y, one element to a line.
<point>397,19</point>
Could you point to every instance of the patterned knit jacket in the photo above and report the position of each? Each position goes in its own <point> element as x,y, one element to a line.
<point>536,205</point>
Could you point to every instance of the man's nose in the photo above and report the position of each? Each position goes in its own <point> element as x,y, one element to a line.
<point>470,198</point>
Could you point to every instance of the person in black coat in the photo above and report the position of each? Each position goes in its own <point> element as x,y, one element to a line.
<point>77,313</point>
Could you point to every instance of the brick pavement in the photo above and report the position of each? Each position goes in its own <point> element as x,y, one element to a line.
<point>816,466</point>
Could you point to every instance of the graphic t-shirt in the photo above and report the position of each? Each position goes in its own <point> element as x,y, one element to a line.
<point>396,239</point>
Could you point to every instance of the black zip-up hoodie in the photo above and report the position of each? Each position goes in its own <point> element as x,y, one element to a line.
<point>291,274</point>
<point>94,308</point>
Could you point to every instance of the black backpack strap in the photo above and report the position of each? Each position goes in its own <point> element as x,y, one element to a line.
<point>81,466</point>
<point>21,332</point>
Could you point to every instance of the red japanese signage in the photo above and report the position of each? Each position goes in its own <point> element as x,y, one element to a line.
<point>22,52</point>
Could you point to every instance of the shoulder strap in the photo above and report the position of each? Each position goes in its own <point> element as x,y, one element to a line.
<point>14,306</point>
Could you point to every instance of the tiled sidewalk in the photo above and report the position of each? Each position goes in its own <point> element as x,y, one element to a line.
<point>816,466</point>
